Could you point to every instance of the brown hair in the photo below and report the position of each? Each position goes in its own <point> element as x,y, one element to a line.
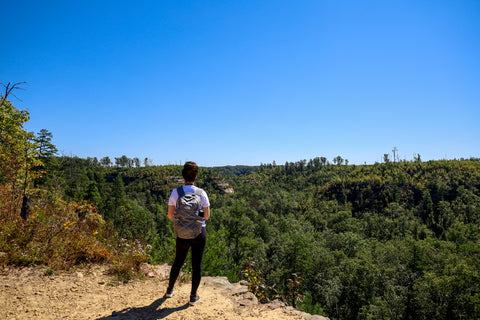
<point>190,171</point>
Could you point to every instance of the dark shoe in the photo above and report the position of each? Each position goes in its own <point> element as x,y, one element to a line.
<point>194,299</point>
<point>169,293</point>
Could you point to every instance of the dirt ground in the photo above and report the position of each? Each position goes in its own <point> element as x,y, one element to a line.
<point>89,293</point>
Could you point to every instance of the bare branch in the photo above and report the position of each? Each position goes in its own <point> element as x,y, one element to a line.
<point>9,88</point>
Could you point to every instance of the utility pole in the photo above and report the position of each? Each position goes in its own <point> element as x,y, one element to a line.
<point>394,151</point>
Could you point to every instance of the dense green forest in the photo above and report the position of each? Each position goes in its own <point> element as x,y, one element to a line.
<point>386,241</point>
<point>396,240</point>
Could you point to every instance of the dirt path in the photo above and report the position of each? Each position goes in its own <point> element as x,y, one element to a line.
<point>30,293</point>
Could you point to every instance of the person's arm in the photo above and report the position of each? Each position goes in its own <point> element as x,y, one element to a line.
<point>171,211</point>
<point>206,211</point>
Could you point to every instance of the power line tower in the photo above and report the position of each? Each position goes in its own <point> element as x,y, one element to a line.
<point>394,152</point>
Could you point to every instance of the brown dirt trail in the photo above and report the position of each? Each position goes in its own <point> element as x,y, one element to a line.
<point>89,293</point>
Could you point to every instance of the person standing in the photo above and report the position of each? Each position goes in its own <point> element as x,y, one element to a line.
<point>189,235</point>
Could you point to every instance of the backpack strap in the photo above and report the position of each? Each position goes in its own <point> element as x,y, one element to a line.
<point>180,192</point>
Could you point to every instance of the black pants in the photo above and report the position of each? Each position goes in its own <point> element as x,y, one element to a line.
<point>181,251</point>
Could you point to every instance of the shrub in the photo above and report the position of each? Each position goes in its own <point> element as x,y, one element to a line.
<point>65,235</point>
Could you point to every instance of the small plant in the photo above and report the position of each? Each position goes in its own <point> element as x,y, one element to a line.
<point>128,256</point>
<point>266,293</point>
<point>185,277</point>
<point>48,272</point>
<point>293,295</point>
<point>256,283</point>
<point>112,284</point>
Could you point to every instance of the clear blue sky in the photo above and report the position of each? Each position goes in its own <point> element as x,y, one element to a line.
<point>248,82</point>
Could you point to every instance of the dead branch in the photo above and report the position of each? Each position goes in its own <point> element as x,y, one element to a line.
<point>9,88</point>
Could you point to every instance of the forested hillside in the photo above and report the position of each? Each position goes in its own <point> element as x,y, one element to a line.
<point>393,240</point>
<point>397,240</point>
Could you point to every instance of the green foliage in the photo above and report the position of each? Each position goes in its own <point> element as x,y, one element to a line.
<point>18,155</point>
<point>51,231</point>
<point>370,242</point>
<point>256,283</point>
<point>65,235</point>
<point>265,293</point>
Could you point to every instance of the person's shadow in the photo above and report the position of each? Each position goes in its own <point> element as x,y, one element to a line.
<point>150,312</point>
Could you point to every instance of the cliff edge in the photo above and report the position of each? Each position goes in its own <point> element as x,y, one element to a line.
<point>90,293</point>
